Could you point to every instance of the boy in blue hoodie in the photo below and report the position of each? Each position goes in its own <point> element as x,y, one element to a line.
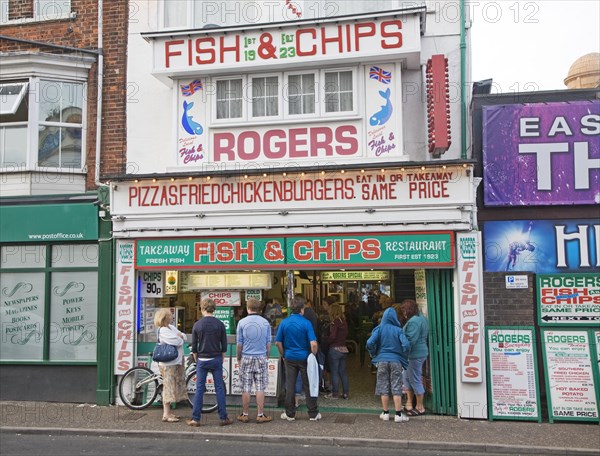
<point>389,347</point>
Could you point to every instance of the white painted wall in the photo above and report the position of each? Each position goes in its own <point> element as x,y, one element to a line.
<point>152,111</point>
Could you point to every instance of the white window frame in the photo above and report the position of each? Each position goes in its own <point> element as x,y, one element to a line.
<point>18,99</point>
<point>286,96</point>
<point>250,103</point>
<point>38,16</point>
<point>213,104</point>
<point>354,110</point>
<point>31,156</point>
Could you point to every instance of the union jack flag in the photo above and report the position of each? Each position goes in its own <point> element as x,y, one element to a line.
<point>187,90</point>
<point>380,75</point>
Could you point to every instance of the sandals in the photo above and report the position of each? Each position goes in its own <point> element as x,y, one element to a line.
<point>170,419</point>
<point>414,412</point>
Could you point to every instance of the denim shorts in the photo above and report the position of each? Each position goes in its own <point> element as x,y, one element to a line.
<point>389,378</point>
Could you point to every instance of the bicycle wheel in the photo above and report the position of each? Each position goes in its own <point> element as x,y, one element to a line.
<point>209,404</point>
<point>138,388</point>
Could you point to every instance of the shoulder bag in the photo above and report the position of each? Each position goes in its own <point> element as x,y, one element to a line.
<point>164,353</point>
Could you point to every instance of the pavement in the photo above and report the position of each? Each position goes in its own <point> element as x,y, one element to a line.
<point>428,432</point>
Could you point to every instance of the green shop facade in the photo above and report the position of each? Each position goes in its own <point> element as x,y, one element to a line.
<point>55,299</point>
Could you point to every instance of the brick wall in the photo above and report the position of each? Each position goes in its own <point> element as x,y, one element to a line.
<point>508,307</point>
<point>82,33</point>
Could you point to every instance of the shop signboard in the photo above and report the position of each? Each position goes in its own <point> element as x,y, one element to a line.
<point>433,186</point>
<point>253,294</point>
<point>570,384</point>
<point>171,282</point>
<point>273,371</point>
<point>210,383</point>
<point>470,300</point>
<point>432,249</point>
<point>538,154</point>
<point>342,276</point>
<point>151,284</point>
<point>49,223</point>
<point>297,44</point>
<point>223,298</point>
<point>225,253</point>
<point>226,315</point>
<point>513,388</point>
<point>421,290</point>
<point>568,299</point>
<point>542,246</point>
<point>596,346</point>
<point>409,249</point>
<point>125,309</point>
<point>226,281</point>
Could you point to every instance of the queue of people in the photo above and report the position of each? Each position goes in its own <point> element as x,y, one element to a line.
<point>397,345</point>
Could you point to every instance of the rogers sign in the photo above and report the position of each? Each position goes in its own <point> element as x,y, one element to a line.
<point>278,144</point>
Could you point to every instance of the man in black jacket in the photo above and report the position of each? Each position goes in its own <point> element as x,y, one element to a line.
<point>209,345</point>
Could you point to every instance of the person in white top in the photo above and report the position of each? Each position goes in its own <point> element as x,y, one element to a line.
<point>173,373</point>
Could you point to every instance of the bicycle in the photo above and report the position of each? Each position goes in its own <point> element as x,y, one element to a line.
<point>141,387</point>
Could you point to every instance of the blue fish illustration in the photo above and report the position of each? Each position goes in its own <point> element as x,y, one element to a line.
<point>384,114</point>
<point>189,125</point>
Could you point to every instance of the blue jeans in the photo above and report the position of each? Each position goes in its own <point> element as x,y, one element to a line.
<point>215,367</point>
<point>413,379</point>
<point>292,369</point>
<point>337,366</point>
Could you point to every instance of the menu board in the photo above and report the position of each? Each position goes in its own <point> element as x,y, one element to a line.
<point>569,375</point>
<point>513,389</point>
<point>273,370</point>
<point>230,281</point>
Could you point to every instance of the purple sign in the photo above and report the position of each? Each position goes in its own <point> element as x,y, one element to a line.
<point>542,154</point>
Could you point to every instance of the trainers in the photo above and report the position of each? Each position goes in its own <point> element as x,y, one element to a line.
<point>331,396</point>
<point>226,422</point>
<point>243,418</point>
<point>263,419</point>
<point>316,418</point>
<point>384,416</point>
<point>402,418</point>
<point>285,417</point>
<point>345,396</point>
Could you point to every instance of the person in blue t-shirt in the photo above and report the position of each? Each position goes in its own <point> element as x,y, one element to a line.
<point>296,339</point>
<point>253,336</point>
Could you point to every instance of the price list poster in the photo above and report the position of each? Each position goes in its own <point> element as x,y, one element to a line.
<point>571,383</point>
<point>513,388</point>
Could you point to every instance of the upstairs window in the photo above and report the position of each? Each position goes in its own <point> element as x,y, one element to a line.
<point>33,10</point>
<point>41,124</point>
<point>265,96</point>
<point>11,95</point>
<point>60,124</point>
<point>229,99</point>
<point>301,94</point>
<point>338,91</point>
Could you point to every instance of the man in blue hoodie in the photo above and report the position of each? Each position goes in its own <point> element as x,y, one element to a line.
<point>389,347</point>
